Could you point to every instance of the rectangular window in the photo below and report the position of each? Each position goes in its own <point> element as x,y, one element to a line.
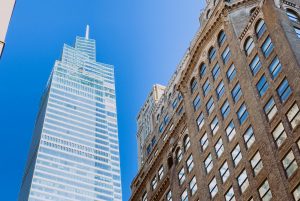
<point>231,73</point>
<point>270,109</point>
<point>275,67</point>
<point>200,121</point>
<point>236,92</point>
<point>225,109</point>
<point>161,172</point>
<point>279,134</point>
<point>208,163</point>
<point>297,30</point>
<point>193,186</point>
<point>206,87</point>
<point>284,90</point>
<point>267,47</point>
<point>255,65</point>
<point>216,71</point>
<point>289,164</point>
<point>190,163</point>
<point>230,131</point>
<point>243,181</point>
<point>236,155</point>
<point>226,55</point>
<point>224,172</point>
<point>210,105</point>
<point>219,147</point>
<point>256,163</point>
<point>262,85</point>
<point>296,193</point>
<point>169,196</point>
<point>204,142</point>
<point>184,196</point>
<point>144,198</point>
<point>166,119</point>
<point>175,103</point>
<point>220,90</point>
<point>265,191</point>
<point>161,127</point>
<point>293,115</point>
<point>181,176</point>
<point>154,183</point>
<point>214,126</point>
<point>249,137</point>
<point>213,188</point>
<point>229,196</point>
<point>196,103</point>
<point>242,113</point>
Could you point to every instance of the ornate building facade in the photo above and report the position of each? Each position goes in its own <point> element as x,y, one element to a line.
<point>228,124</point>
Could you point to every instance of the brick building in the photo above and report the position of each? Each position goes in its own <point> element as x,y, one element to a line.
<point>228,124</point>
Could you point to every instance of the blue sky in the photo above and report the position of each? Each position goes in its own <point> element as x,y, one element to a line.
<point>145,40</point>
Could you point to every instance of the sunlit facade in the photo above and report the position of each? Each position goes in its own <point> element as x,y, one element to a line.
<point>75,151</point>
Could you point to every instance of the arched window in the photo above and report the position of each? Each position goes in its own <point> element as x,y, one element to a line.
<point>208,14</point>
<point>202,70</point>
<point>249,45</point>
<point>178,155</point>
<point>260,28</point>
<point>194,85</point>
<point>292,15</point>
<point>186,142</point>
<point>221,38</point>
<point>211,54</point>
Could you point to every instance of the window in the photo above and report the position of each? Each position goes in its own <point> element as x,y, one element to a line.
<point>249,137</point>
<point>221,38</point>
<point>194,85</point>
<point>293,116</point>
<point>224,172</point>
<point>214,125</point>
<point>181,176</point>
<point>236,155</point>
<point>296,193</point>
<point>284,90</point>
<point>213,188</point>
<point>161,172</point>
<point>144,198</point>
<point>166,119</point>
<point>243,181</point>
<point>184,196</point>
<point>210,105</point>
<point>179,155</point>
<point>275,67</point>
<point>262,86</point>
<point>193,186</point>
<point>249,45</point>
<point>230,131</point>
<point>149,149</point>
<point>297,30</point>
<point>202,70</point>
<point>175,103</point>
<point>206,87</point>
<point>169,195</point>
<point>231,73</point>
<point>255,65</point>
<point>226,55</point>
<point>216,71</point>
<point>279,134</point>
<point>220,90</point>
<point>292,15</point>
<point>225,109</point>
<point>208,163</point>
<point>242,113</point>
<point>212,54</point>
<point>161,127</point>
<point>256,163</point>
<point>200,120</point>
<point>236,92</point>
<point>219,147</point>
<point>190,163</point>
<point>265,191</point>
<point>197,102</point>
<point>179,96</point>
<point>154,183</point>
<point>267,47</point>
<point>229,196</point>
<point>270,109</point>
<point>204,142</point>
<point>187,143</point>
<point>289,164</point>
<point>260,28</point>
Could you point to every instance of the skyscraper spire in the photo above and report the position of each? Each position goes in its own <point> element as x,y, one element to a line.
<point>87,32</point>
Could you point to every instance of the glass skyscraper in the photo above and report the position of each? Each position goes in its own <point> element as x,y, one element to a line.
<point>74,153</point>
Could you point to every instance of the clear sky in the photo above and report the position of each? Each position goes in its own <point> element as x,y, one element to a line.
<point>144,40</point>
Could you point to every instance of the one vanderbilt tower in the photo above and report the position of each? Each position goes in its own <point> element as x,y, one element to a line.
<point>74,155</point>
